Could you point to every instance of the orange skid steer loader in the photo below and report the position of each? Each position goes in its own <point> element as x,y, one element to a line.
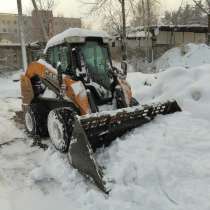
<point>68,93</point>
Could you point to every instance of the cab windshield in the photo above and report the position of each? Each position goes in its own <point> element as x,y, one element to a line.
<point>97,60</point>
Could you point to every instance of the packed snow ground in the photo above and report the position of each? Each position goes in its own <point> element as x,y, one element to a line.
<point>163,165</point>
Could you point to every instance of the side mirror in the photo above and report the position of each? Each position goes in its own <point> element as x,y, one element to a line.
<point>124,67</point>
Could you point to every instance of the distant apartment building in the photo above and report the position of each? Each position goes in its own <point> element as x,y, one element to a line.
<point>53,25</point>
<point>62,23</point>
<point>9,26</point>
<point>47,17</point>
<point>9,33</point>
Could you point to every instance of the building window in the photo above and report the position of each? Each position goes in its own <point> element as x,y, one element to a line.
<point>4,30</point>
<point>15,22</point>
<point>3,21</point>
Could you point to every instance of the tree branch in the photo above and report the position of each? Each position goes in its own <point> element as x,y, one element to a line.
<point>199,5</point>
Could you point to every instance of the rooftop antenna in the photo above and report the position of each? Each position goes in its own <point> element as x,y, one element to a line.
<point>22,38</point>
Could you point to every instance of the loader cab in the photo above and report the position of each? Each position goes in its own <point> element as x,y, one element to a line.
<point>95,57</point>
<point>87,60</point>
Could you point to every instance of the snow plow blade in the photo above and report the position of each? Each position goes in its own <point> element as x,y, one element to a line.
<point>100,129</point>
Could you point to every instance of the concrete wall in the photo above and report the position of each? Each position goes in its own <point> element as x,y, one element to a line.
<point>179,38</point>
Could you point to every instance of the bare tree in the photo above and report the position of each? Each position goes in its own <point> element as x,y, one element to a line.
<point>112,20</point>
<point>145,12</point>
<point>86,25</point>
<point>46,4</point>
<point>170,18</point>
<point>205,7</point>
<point>41,20</point>
<point>187,14</point>
<point>114,13</point>
<point>43,10</point>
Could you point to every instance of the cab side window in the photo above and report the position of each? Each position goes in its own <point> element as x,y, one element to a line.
<point>53,56</point>
<point>50,56</point>
<point>59,54</point>
<point>65,59</point>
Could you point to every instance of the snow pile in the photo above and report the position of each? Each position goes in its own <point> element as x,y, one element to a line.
<point>190,55</point>
<point>190,87</point>
<point>162,165</point>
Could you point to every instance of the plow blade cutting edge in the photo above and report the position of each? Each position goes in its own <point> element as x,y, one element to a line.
<point>100,129</point>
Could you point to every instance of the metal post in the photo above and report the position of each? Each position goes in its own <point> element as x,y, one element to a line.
<point>21,31</point>
<point>124,53</point>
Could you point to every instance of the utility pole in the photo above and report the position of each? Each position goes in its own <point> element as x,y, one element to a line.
<point>40,20</point>
<point>124,45</point>
<point>22,39</point>
<point>148,29</point>
<point>208,39</point>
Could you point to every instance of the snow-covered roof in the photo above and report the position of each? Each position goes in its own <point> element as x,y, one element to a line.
<point>197,28</point>
<point>74,32</point>
<point>139,34</point>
